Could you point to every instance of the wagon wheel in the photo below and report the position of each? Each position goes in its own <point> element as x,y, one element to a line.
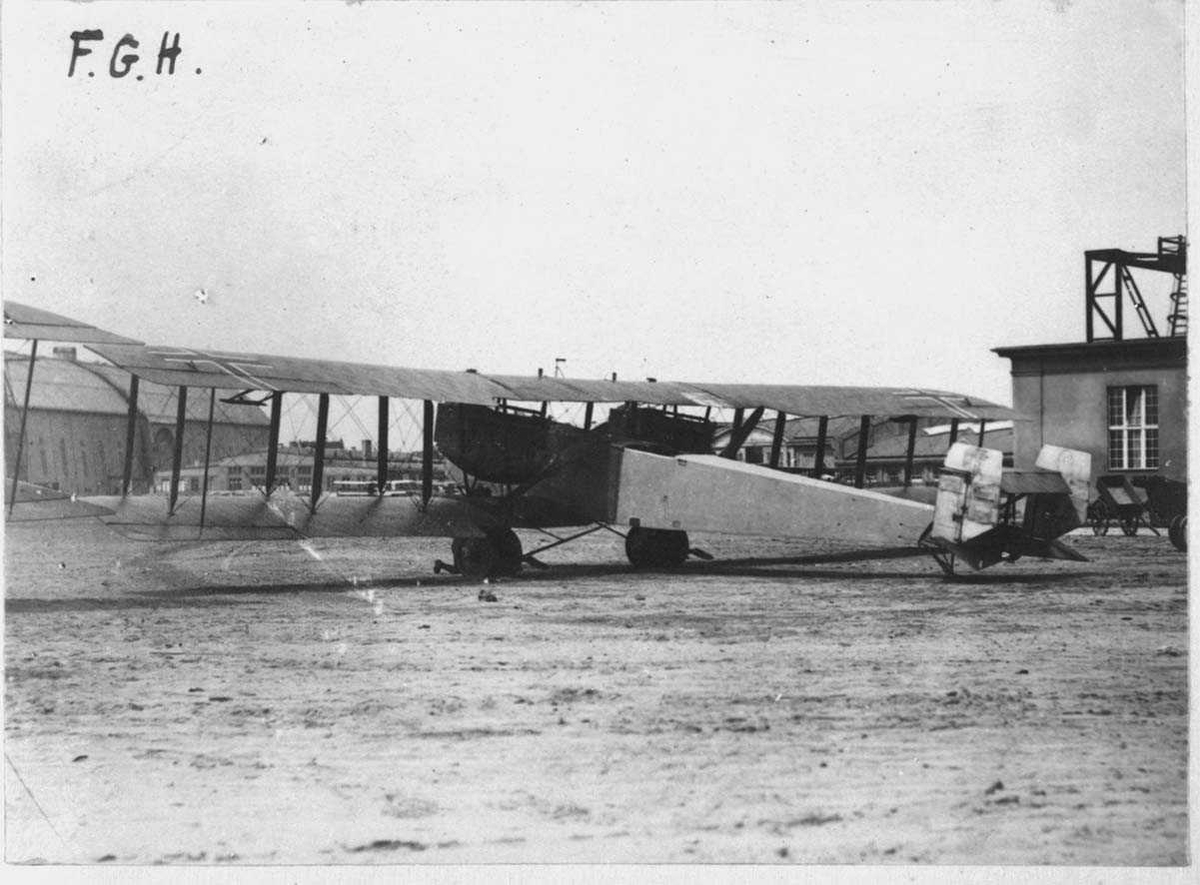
<point>1098,518</point>
<point>1177,532</point>
<point>1129,525</point>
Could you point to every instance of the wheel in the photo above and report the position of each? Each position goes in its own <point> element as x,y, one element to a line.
<point>1177,532</point>
<point>1098,518</point>
<point>1129,526</point>
<point>497,553</point>
<point>656,548</point>
<point>474,557</point>
<point>508,551</point>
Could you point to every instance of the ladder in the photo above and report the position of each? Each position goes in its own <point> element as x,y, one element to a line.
<point>1178,315</point>
<point>1139,303</point>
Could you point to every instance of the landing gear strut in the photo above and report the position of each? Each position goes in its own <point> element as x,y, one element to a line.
<point>944,558</point>
<point>656,548</point>
<point>496,553</point>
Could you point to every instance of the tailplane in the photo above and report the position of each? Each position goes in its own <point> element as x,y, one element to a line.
<point>985,514</point>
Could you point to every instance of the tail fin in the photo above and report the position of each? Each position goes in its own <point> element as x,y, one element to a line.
<point>985,514</point>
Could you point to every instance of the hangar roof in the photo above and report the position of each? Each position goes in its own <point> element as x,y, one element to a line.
<point>67,385</point>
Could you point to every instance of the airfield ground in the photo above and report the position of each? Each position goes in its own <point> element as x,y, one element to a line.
<point>333,702</point>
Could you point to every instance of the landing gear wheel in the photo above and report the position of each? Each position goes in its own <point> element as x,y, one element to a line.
<point>944,558</point>
<point>497,553</point>
<point>1177,532</point>
<point>508,551</point>
<point>474,557</point>
<point>656,548</point>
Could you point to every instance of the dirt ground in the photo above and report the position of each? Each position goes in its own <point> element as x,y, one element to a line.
<point>334,702</point>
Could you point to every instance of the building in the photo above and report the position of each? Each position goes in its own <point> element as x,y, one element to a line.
<point>886,455</point>
<point>247,471</point>
<point>78,419</point>
<point>887,447</point>
<point>800,437</point>
<point>1121,394</point>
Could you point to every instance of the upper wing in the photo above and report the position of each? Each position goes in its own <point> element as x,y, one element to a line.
<point>795,399</point>
<point>182,366</point>
<point>176,366</point>
<point>21,321</point>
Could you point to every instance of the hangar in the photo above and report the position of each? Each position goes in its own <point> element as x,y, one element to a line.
<point>78,419</point>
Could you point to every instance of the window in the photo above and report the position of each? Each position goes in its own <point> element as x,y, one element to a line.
<point>236,470</point>
<point>235,483</point>
<point>1133,428</point>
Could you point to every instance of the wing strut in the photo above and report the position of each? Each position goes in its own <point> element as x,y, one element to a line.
<point>381,457</point>
<point>953,433</point>
<point>982,425</point>
<point>819,455</point>
<point>177,454</point>
<point>860,461</point>
<point>587,416</point>
<point>318,474</point>
<point>212,402</point>
<point>427,455</point>
<point>741,431</point>
<point>130,436</point>
<point>910,451</point>
<point>273,442</point>
<point>777,440</point>
<point>12,494</point>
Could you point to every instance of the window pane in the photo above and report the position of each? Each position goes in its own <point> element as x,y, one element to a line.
<point>1116,450</point>
<point>1116,406</point>
<point>1151,447</point>
<point>1151,406</point>
<point>1136,455</point>
<point>1133,406</point>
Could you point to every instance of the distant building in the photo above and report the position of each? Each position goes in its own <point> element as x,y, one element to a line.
<point>1121,397</point>
<point>294,469</point>
<point>886,456</point>
<point>799,449</point>
<point>78,415</point>
<point>887,446</point>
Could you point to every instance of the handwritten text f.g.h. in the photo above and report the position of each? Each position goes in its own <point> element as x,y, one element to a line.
<point>123,59</point>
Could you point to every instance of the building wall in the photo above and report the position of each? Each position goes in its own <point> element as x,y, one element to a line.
<point>73,451</point>
<point>84,453</point>
<point>1064,394</point>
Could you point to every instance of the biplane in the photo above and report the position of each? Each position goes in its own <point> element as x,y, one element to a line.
<point>648,471</point>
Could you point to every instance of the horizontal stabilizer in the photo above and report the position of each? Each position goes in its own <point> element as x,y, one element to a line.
<point>1008,543</point>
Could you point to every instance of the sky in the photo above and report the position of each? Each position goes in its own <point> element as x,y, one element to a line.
<point>849,193</point>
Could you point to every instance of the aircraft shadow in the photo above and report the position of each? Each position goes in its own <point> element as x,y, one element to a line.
<point>773,569</point>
